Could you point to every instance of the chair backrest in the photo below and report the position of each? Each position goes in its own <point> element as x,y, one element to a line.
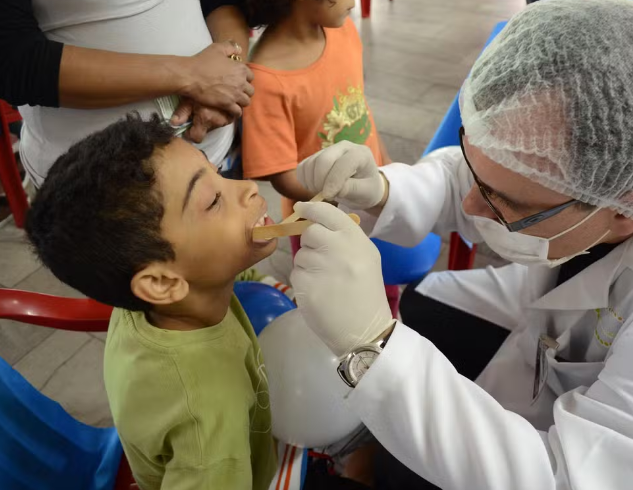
<point>44,310</point>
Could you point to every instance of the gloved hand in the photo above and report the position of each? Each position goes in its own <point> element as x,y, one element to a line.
<point>346,173</point>
<point>337,279</point>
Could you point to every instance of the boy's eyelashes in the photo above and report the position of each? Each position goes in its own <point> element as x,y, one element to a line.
<point>216,201</point>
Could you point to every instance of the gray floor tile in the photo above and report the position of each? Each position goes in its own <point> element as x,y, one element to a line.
<point>99,335</point>
<point>18,339</point>
<point>16,260</point>
<point>78,385</point>
<point>442,261</point>
<point>43,281</point>
<point>401,149</point>
<point>395,88</point>
<point>41,364</point>
<point>405,121</point>
<point>437,98</point>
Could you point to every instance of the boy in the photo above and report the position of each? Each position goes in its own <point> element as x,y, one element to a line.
<point>140,220</point>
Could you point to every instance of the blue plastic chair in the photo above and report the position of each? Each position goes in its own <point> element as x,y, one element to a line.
<point>43,447</point>
<point>461,254</point>
<point>402,265</point>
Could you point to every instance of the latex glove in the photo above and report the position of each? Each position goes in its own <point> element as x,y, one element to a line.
<point>346,173</point>
<point>337,279</point>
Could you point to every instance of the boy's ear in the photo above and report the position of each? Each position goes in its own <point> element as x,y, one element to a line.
<point>159,285</point>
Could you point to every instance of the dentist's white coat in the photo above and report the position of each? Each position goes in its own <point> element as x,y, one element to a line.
<point>489,436</point>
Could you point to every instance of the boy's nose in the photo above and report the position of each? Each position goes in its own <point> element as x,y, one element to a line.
<point>249,191</point>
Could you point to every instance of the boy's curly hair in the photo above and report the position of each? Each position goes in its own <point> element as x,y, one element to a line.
<point>96,221</point>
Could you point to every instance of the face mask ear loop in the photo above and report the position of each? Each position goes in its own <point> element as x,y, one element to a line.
<point>557,262</point>
<point>580,223</point>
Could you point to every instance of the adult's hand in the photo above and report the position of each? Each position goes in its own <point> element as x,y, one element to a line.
<point>346,173</point>
<point>217,82</point>
<point>337,280</point>
<point>205,119</point>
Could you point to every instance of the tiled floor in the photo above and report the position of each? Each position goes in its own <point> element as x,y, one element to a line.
<point>417,53</point>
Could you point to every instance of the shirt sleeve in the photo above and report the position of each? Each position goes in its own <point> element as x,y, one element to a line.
<point>454,434</point>
<point>29,62</point>
<point>268,142</point>
<point>438,184</point>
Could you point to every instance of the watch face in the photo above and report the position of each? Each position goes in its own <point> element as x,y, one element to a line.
<point>360,363</point>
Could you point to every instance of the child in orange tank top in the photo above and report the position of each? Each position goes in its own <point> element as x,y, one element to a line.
<point>308,69</point>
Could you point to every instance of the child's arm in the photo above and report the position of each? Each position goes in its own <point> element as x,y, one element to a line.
<point>227,23</point>
<point>287,184</point>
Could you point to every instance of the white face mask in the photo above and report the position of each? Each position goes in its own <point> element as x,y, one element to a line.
<point>522,248</point>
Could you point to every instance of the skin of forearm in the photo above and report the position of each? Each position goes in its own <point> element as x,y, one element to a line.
<point>228,24</point>
<point>287,184</point>
<point>93,79</point>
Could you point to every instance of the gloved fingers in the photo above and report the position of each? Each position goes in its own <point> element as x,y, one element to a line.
<point>305,171</point>
<point>357,161</point>
<point>355,188</point>
<point>325,214</point>
<point>317,237</point>
<point>311,261</point>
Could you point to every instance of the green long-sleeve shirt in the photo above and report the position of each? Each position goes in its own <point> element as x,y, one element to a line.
<point>191,408</point>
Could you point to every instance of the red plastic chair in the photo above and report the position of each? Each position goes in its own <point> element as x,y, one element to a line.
<point>9,174</point>
<point>80,315</point>
<point>365,8</point>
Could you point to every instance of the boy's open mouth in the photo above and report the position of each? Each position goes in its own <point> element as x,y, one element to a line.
<point>264,221</point>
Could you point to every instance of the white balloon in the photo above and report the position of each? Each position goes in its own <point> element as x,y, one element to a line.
<point>307,396</point>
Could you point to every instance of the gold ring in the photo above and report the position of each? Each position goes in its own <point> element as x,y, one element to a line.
<point>235,57</point>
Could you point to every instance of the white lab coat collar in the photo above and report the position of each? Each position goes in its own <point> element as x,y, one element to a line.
<point>588,289</point>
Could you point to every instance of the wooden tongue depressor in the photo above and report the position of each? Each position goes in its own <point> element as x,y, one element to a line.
<point>295,216</point>
<point>288,229</point>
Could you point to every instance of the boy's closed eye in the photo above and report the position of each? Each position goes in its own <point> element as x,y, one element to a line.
<point>216,201</point>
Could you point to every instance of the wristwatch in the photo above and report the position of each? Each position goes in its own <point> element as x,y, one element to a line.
<point>355,364</point>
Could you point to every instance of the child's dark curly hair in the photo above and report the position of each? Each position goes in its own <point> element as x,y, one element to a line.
<point>96,221</point>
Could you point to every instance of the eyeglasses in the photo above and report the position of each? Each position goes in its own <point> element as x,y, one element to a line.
<point>522,223</point>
